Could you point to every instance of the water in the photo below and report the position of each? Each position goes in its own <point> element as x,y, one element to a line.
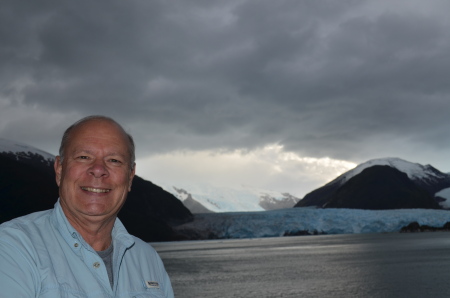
<point>357,265</point>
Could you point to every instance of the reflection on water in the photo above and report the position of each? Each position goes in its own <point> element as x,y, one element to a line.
<point>359,265</point>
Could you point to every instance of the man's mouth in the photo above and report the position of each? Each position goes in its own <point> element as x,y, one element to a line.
<point>96,190</point>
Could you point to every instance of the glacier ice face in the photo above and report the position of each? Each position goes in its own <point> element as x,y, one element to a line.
<point>277,223</point>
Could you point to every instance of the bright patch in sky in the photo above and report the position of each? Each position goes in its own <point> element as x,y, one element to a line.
<point>269,168</point>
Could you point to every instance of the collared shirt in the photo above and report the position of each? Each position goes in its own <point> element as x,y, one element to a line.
<point>42,255</point>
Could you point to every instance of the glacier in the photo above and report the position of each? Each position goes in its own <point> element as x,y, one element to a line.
<point>277,223</point>
<point>225,198</point>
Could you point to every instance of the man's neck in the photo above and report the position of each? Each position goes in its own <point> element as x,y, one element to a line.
<point>98,241</point>
<point>96,233</point>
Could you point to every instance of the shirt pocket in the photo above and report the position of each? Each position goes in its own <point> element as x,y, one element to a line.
<point>154,293</point>
<point>64,293</point>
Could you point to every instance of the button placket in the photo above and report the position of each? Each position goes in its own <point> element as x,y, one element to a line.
<point>75,236</point>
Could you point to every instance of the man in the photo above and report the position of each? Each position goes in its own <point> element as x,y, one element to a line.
<point>80,248</point>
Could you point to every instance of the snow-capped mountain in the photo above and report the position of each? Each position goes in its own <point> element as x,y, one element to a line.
<point>425,177</point>
<point>208,198</point>
<point>22,151</point>
<point>27,180</point>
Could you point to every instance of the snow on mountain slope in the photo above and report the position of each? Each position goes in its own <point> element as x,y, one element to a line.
<point>445,194</point>
<point>229,199</point>
<point>414,171</point>
<point>425,177</point>
<point>278,223</point>
<point>9,146</point>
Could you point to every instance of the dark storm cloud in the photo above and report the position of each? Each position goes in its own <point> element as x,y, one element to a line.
<point>347,79</point>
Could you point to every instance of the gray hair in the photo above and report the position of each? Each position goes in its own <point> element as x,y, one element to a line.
<point>70,129</point>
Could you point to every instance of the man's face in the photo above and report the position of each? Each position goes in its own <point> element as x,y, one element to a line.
<point>95,176</point>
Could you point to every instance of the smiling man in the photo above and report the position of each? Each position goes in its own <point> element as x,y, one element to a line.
<point>80,248</point>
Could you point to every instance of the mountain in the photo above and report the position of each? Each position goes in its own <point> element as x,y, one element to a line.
<point>27,184</point>
<point>206,198</point>
<point>193,205</point>
<point>378,188</point>
<point>443,197</point>
<point>270,202</point>
<point>393,192</point>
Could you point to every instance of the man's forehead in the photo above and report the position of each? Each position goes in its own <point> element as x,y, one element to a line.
<point>99,130</point>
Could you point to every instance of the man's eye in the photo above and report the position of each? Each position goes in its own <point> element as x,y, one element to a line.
<point>83,157</point>
<point>115,160</point>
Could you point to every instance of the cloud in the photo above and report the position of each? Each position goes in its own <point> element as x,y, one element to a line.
<point>348,80</point>
<point>269,167</point>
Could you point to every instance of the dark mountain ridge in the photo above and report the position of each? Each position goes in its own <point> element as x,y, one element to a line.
<point>381,187</point>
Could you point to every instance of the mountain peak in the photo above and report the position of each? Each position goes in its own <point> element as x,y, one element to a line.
<point>381,187</point>
<point>9,146</point>
<point>426,177</point>
<point>415,171</point>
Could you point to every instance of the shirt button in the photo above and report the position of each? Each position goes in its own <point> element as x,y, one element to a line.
<point>96,265</point>
<point>76,245</point>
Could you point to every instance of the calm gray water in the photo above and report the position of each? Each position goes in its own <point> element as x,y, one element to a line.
<point>358,265</point>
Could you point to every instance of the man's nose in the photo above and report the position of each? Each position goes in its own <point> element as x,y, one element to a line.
<point>98,169</point>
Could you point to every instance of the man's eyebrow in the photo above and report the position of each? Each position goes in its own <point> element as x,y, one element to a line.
<point>112,154</point>
<point>108,154</point>
<point>82,151</point>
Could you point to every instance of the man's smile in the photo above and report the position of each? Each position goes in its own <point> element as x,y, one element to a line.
<point>96,190</point>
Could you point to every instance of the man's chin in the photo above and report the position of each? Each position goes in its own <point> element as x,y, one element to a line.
<point>96,209</point>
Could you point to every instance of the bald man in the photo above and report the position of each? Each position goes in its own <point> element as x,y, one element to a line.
<point>80,248</point>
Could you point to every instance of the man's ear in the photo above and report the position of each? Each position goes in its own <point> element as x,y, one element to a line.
<point>58,169</point>
<point>132,173</point>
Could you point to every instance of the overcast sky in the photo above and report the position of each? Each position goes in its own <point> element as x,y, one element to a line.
<point>277,94</point>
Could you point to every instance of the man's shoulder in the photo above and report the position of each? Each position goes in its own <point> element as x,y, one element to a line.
<point>135,244</point>
<point>142,246</point>
<point>144,254</point>
<point>26,223</point>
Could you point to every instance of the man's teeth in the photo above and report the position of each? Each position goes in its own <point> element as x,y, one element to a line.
<point>97,190</point>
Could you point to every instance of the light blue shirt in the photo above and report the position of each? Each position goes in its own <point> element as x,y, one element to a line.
<point>42,255</point>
